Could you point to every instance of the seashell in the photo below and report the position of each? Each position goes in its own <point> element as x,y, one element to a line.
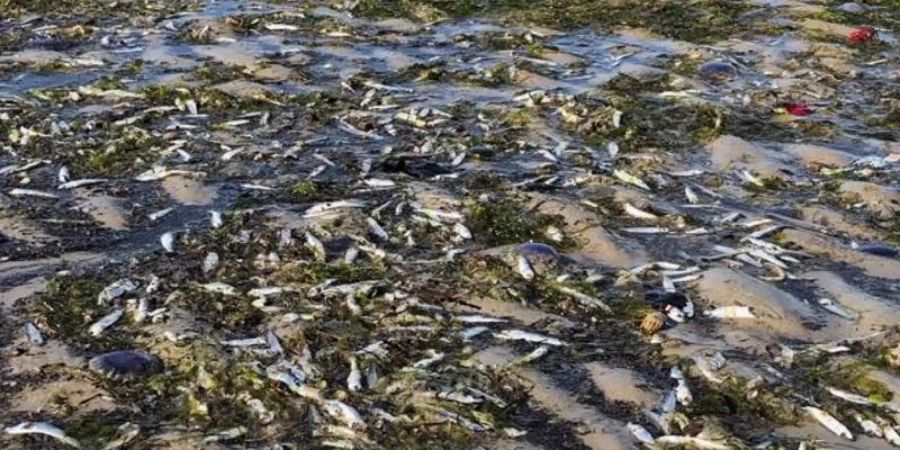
<point>123,363</point>
<point>653,322</point>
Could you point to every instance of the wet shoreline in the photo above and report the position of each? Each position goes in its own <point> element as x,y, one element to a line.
<point>456,225</point>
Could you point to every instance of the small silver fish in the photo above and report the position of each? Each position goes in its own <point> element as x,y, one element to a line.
<point>523,267</point>
<point>160,214</point>
<point>630,179</point>
<point>828,421</point>
<point>45,429</point>
<point>31,193</point>
<point>345,413</point>
<point>317,247</point>
<point>105,322</point>
<point>640,433</point>
<point>168,241</point>
<point>376,229</point>
<point>215,219</point>
<point>64,176</point>
<point>519,335</point>
<point>210,262</point>
<point>638,213</point>
<point>220,288</point>
<point>33,334</point>
<point>354,380</point>
<point>80,183</point>
<point>836,309</point>
<point>868,426</point>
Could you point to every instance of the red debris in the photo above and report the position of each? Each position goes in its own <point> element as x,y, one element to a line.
<point>798,109</point>
<point>862,34</point>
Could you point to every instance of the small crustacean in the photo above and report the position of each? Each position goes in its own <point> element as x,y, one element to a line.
<point>653,322</point>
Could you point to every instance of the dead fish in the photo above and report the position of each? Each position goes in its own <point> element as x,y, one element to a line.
<point>848,396</point>
<point>379,183</point>
<point>354,380</point>
<point>168,241</point>
<point>646,230</point>
<point>835,309</point>
<point>584,299</point>
<point>42,428</point>
<point>479,319</point>
<point>691,196</point>
<point>158,173</point>
<point>630,179</point>
<point>640,433</point>
<point>750,178</point>
<point>533,355</point>
<point>322,208</point>
<point>116,290</point>
<point>471,332</point>
<point>868,426</point>
<point>81,183</point>
<point>430,360</point>
<point>227,435</point>
<point>523,267</point>
<point>215,219</point>
<point>638,213</point>
<point>317,247</point>
<point>220,288</point>
<point>376,229</point>
<point>64,176</point>
<point>210,262</point>
<point>124,434</point>
<point>105,322</point>
<point>160,214</point>
<point>730,312</point>
<point>33,334</point>
<point>690,442</point>
<point>345,413</point>
<point>246,342</point>
<point>891,435</point>
<point>829,422</point>
<point>31,193</point>
<point>520,335</point>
